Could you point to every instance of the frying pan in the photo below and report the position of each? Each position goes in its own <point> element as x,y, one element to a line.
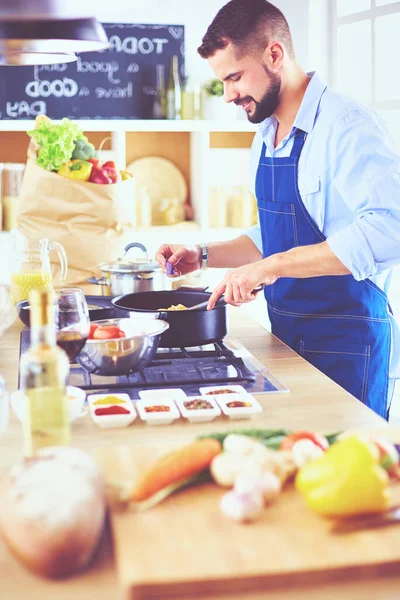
<point>187,328</point>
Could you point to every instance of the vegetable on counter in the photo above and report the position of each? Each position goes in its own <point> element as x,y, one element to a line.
<point>173,470</point>
<point>77,169</point>
<point>316,438</point>
<point>347,480</point>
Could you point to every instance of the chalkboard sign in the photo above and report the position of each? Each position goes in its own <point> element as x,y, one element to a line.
<point>117,83</point>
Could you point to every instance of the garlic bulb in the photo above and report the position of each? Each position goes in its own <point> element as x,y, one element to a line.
<point>266,482</point>
<point>246,506</point>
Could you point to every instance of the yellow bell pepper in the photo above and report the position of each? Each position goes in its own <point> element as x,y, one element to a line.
<point>347,480</point>
<point>126,175</point>
<point>76,169</point>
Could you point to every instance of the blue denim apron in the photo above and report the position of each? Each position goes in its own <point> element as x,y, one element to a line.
<point>338,324</point>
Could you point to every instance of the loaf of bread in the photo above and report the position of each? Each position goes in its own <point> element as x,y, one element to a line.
<point>52,511</point>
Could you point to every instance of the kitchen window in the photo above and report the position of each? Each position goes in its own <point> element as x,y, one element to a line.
<point>365,50</point>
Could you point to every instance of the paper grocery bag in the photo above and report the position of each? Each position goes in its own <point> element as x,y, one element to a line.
<point>90,220</point>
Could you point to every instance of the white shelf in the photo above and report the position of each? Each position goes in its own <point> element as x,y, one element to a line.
<point>133,125</point>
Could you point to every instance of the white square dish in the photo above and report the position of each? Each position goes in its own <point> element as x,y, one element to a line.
<point>238,412</point>
<point>216,390</point>
<point>166,394</point>
<point>107,421</point>
<point>198,415</point>
<point>157,417</point>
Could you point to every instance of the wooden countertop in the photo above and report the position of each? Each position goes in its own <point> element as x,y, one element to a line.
<point>314,402</point>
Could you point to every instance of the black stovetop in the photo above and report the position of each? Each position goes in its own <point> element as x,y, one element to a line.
<point>222,363</point>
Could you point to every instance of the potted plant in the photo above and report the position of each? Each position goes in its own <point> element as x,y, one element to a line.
<point>215,108</point>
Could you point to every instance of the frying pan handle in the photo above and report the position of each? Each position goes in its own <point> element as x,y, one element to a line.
<point>259,288</point>
<point>189,288</point>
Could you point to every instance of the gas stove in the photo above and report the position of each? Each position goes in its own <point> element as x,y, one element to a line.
<point>222,363</point>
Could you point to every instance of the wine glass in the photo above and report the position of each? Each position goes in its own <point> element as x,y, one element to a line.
<point>72,320</point>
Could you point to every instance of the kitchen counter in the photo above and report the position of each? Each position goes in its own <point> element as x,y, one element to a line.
<point>314,402</point>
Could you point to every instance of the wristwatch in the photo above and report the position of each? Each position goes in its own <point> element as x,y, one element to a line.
<point>204,256</point>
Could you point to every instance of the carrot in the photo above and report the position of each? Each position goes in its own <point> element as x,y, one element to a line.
<point>174,467</point>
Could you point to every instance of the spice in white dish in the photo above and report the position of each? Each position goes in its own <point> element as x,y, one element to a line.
<point>243,507</point>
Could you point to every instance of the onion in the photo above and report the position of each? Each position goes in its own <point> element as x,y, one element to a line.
<point>243,507</point>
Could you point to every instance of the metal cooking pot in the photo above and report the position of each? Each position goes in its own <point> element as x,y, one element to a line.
<point>130,277</point>
<point>186,328</point>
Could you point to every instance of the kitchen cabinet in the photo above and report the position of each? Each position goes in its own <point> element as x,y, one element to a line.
<point>206,152</point>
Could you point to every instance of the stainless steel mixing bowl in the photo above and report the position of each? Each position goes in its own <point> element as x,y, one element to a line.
<point>121,356</point>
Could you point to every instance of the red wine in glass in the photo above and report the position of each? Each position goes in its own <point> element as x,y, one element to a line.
<point>71,342</point>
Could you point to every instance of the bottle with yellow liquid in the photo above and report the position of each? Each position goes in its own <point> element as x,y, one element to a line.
<point>43,373</point>
<point>33,268</point>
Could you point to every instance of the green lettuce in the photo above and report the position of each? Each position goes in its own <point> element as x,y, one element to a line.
<point>56,142</point>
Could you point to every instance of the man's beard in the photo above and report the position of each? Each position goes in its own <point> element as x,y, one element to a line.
<point>268,103</point>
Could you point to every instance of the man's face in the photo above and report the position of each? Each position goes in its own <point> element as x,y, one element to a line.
<point>248,82</point>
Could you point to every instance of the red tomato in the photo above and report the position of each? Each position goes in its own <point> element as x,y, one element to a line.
<point>93,328</point>
<point>108,332</point>
<point>318,439</point>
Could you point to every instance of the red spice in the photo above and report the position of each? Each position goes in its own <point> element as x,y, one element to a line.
<point>111,410</point>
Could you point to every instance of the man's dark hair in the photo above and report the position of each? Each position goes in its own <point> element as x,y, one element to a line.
<point>250,25</point>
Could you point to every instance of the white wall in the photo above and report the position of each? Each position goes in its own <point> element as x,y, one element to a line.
<point>196,15</point>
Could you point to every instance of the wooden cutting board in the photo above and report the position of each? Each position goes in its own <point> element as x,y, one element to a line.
<point>186,546</point>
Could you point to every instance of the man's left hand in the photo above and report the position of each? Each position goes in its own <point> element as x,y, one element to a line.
<point>238,284</point>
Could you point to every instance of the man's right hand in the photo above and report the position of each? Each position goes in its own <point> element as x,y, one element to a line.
<point>184,259</point>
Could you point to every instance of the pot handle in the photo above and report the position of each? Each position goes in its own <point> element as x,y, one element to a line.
<point>97,281</point>
<point>135,245</point>
<point>163,316</point>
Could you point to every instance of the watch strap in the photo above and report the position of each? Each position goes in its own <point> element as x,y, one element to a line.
<point>204,256</point>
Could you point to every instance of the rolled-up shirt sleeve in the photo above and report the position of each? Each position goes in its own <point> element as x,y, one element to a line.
<point>365,173</point>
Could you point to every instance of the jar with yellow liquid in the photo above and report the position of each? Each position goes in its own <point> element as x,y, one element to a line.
<point>33,268</point>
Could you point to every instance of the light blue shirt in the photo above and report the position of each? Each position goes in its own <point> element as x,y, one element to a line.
<point>349,181</point>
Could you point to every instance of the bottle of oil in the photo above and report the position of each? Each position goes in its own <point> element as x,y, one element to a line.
<point>44,371</point>
<point>160,99</point>
<point>174,91</point>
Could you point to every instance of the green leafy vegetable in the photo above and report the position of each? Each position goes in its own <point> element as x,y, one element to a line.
<point>56,142</point>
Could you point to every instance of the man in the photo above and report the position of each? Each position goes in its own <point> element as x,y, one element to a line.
<point>327,185</point>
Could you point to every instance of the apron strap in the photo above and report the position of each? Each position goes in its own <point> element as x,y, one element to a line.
<point>299,139</point>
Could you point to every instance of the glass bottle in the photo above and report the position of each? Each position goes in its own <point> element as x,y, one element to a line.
<point>43,374</point>
<point>174,91</point>
<point>160,100</point>
<point>12,174</point>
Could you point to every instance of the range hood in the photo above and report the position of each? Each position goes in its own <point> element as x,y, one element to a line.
<point>47,31</point>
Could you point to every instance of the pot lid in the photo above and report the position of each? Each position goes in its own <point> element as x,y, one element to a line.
<point>139,265</point>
